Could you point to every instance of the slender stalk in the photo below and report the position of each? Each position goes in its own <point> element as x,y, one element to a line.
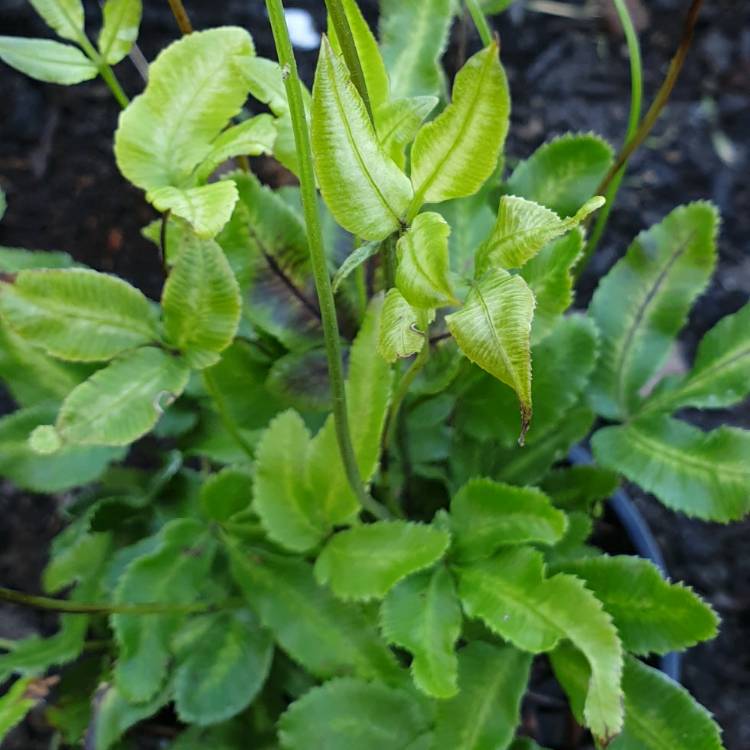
<point>317,255</point>
<point>360,282</point>
<point>226,418</point>
<point>140,63</point>
<point>402,390</point>
<point>392,423</point>
<point>636,99</point>
<point>389,261</point>
<point>163,239</point>
<point>105,71</point>
<point>660,100</point>
<point>109,77</point>
<point>80,608</point>
<point>485,34</point>
<point>349,49</point>
<point>181,16</point>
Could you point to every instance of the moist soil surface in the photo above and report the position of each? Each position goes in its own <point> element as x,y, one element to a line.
<point>566,73</point>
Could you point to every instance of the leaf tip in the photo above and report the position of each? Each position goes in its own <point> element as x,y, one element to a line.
<point>526,414</point>
<point>45,440</point>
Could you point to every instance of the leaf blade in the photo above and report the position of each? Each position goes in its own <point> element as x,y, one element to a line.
<point>77,314</point>
<point>201,303</point>
<point>487,515</point>
<point>493,330</point>
<point>650,614</point>
<point>663,272</point>
<point>365,190</point>
<point>422,275</point>
<point>484,714</point>
<point>119,403</point>
<point>195,86</point>
<point>368,390</point>
<point>720,376</point>
<point>207,208</point>
<point>422,614</point>
<point>402,328</point>
<point>511,594</point>
<point>70,467</point>
<point>288,510</point>
<point>563,173</point>
<point>223,660</point>
<point>324,635</point>
<point>345,713</point>
<point>121,19</point>
<point>365,562</point>
<point>65,17</point>
<point>170,573</point>
<point>47,60</point>
<point>454,154</point>
<point>522,229</point>
<point>700,474</point>
<point>413,60</point>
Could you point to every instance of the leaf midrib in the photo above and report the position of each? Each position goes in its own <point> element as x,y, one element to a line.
<point>116,320</point>
<point>114,34</point>
<point>175,121</point>
<point>343,118</point>
<point>651,295</point>
<point>52,59</point>
<point>687,458</point>
<point>496,338</point>
<point>486,703</point>
<point>328,627</point>
<point>693,381</point>
<point>466,122</point>
<point>151,377</point>
<point>417,33</point>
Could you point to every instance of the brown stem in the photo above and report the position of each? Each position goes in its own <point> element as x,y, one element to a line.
<point>662,97</point>
<point>181,16</point>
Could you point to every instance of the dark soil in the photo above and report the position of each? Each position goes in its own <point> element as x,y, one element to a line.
<point>64,192</point>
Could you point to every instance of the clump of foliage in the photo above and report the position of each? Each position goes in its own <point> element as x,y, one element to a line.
<point>365,557</point>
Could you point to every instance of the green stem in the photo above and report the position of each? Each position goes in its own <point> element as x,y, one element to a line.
<point>636,99</point>
<point>389,261</point>
<point>109,77</point>
<point>105,71</point>
<point>79,608</point>
<point>392,421</point>
<point>485,34</point>
<point>349,49</point>
<point>226,418</point>
<point>360,283</point>
<point>317,255</point>
<point>403,389</point>
<point>656,108</point>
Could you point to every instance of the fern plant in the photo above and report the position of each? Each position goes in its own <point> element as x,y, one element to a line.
<point>359,527</point>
